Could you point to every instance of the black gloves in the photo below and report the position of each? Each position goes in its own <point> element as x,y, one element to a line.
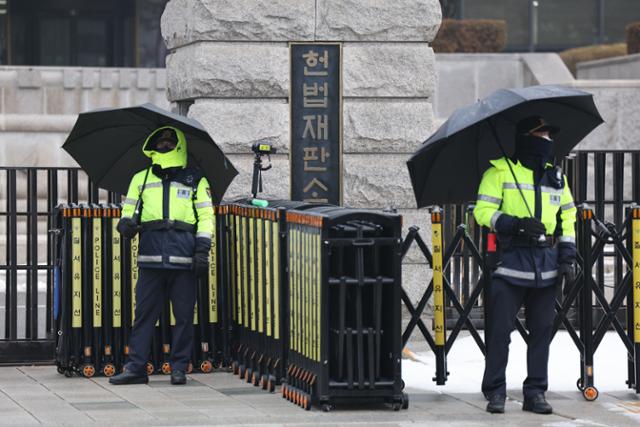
<point>201,264</point>
<point>530,227</point>
<point>566,272</point>
<point>512,226</point>
<point>128,227</point>
<point>201,257</point>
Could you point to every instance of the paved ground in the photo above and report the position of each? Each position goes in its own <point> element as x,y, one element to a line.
<point>39,395</point>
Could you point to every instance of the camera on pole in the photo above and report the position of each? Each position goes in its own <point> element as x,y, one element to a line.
<point>260,149</point>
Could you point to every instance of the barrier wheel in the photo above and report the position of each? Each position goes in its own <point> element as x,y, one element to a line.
<point>405,401</point>
<point>166,368</point>
<point>397,406</point>
<point>590,393</point>
<point>68,373</point>
<point>206,366</point>
<point>88,371</point>
<point>326,407</point>
<point>190,368</point>
<point>306,403</point>
<point>109,370</point>
<point>61,370</point>
<point>579,384</point>
<point>150,368</point>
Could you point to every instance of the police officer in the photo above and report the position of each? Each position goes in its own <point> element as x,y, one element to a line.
<point>535,226</point>
<point>175,221</point>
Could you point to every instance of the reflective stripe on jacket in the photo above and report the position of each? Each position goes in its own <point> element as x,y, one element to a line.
<point>186,198</point>
<point>498,194</point>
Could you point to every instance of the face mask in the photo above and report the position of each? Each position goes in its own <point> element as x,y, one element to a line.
<point>533,151</point>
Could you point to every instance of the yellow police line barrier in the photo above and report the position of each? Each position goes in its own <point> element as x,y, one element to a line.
<point>97,299</point>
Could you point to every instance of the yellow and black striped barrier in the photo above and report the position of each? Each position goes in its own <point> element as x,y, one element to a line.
<point>634,318</point>
<point>439,324</point>
<point>97,299</point>
<point>254,252</point>
<point>298,293</point>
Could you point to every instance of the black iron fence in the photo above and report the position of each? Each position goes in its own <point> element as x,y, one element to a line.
<point>27,208</point>
<point>606,180</point>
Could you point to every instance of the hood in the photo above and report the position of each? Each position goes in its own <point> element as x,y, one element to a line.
<point>501,163</point>
<point>174,158</point>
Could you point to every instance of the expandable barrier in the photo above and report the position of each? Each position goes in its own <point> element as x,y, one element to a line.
<point>594,310</point>
<point>256,283</point>
<point>96,273</point>
<point>344,307</point>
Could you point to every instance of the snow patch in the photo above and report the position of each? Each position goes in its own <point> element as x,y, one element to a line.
<point>466,366</point>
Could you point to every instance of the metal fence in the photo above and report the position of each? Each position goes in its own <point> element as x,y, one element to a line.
<point>606,189</point>
<point>27,209</point>
<point>607,180</point>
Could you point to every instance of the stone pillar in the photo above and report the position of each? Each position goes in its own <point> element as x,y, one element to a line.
<point>230,58</point>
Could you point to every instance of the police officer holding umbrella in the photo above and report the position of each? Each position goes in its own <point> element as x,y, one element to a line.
<point>527,201</point>
<point>170,205</point>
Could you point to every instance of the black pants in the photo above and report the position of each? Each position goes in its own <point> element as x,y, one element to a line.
<point>505,302</point>
<point>151,290</point>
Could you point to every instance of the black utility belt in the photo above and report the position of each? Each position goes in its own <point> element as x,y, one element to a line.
<point>523,241</point>
<point>168,224</point>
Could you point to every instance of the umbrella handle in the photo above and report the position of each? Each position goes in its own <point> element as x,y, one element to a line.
<point>138,208</point>
<point>504,153</point>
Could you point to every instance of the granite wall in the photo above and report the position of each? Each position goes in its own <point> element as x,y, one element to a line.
<point>229,64</point>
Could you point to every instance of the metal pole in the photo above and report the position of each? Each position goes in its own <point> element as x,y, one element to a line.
<point>32,255</point>
<point>438,297</point>
<point>586,306</point>
<point>533,25</point>
<point>635,324</point>
<point>11,301</point>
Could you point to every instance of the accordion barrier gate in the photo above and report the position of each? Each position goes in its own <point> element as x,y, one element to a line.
<point>301,294</point>
<point>254,314</point>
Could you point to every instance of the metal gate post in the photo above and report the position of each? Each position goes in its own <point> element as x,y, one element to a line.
<point>438,297</point>
<point>585,383</point>
<point>635,324</point>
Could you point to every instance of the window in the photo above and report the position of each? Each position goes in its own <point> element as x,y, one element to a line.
<point>617,15</point>
<point>55,40</point>
<point>93,42</point>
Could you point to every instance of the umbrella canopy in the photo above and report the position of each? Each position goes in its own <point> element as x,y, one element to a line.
<point>448,167</point>
<point>107,144</point>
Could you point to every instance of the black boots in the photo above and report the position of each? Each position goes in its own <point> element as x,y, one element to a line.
<point>496,404</point>
<point>178,377</point>
<point>129,378</point>
<point>537,404</point>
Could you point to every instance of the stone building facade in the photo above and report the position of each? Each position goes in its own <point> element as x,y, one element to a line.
<point>228,67</point>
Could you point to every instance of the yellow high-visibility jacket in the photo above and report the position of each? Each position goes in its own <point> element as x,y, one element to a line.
<point>175,213</point>
<point>498,195</point>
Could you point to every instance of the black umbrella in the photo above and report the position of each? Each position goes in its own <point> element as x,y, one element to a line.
<point>448,167</point>
<point>107,144</point>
